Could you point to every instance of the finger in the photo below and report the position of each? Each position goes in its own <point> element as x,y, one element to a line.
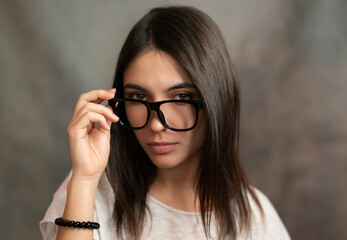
<point>106,111</point>
<point>96,96</point>
<point>99,95</point>
<point>109,107</point>
<point>110,122</point>
<point>86,123</point>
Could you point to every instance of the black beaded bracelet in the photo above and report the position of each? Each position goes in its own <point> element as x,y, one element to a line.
<point>76,224</point>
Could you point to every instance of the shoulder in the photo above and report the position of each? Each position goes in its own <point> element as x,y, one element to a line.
<point>103,209</point>
<point>267,226</point>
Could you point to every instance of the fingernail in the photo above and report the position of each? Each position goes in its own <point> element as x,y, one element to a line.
<point>112,92</point>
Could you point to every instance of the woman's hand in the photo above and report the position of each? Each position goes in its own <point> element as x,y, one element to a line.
<point>89,146</point>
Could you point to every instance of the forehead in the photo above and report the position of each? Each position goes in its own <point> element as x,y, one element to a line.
<point>155,69</point>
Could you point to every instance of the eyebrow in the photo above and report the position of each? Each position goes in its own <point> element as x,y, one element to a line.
<point>134,86</point>
<point>177,86</point>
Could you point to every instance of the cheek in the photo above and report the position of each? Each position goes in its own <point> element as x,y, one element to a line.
<point>140,136</point>
<point>197,137</point>
<point>201,131</point>
<point>202,125</point>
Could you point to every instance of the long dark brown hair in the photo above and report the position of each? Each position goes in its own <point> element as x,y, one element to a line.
<point>195,41</point>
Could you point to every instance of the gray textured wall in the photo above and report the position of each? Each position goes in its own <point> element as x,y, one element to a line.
<point>291,58</point>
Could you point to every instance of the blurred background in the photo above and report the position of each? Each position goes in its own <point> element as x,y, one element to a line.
<point>291,59</point>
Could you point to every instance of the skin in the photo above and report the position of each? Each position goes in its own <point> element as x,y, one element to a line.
<point>156,72</point>
<point>174,184</point>
<point>89,149</point>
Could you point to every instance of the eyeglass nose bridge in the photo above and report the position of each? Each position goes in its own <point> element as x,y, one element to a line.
<point>155,106</point>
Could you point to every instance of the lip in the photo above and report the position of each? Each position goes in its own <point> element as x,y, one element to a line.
<point>162,147</point>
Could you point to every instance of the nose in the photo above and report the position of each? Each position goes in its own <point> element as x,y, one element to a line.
<point>154,122</point>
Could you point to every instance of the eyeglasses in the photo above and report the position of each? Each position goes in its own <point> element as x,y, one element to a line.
<point>176,115</point>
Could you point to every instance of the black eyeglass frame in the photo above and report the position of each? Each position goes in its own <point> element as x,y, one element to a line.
<point>155,106</point>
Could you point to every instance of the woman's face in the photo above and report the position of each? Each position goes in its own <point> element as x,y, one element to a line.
<point>156,76</point>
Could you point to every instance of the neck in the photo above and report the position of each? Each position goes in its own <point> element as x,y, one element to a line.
<point>176,187</point>
<point>178,179</point>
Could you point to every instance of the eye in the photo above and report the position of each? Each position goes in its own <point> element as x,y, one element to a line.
<point>182,96</point>
<point>137,96</point>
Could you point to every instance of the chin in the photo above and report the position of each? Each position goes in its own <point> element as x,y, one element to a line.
<point>164,162</point>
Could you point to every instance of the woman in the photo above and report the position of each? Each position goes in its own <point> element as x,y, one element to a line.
<point>168,141</point>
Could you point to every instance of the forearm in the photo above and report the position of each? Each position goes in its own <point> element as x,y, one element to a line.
<point>79,207</point>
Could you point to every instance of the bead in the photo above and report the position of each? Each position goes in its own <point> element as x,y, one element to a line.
<point>76,224</point>
<point>57,221</point>
<point>97,225</point>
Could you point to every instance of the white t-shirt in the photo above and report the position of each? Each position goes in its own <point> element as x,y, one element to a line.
<point>164,222</point>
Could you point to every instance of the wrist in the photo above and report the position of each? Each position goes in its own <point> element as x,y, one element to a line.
<point>80,202</point>
<point>84,181</point>
<point>79,207</point>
